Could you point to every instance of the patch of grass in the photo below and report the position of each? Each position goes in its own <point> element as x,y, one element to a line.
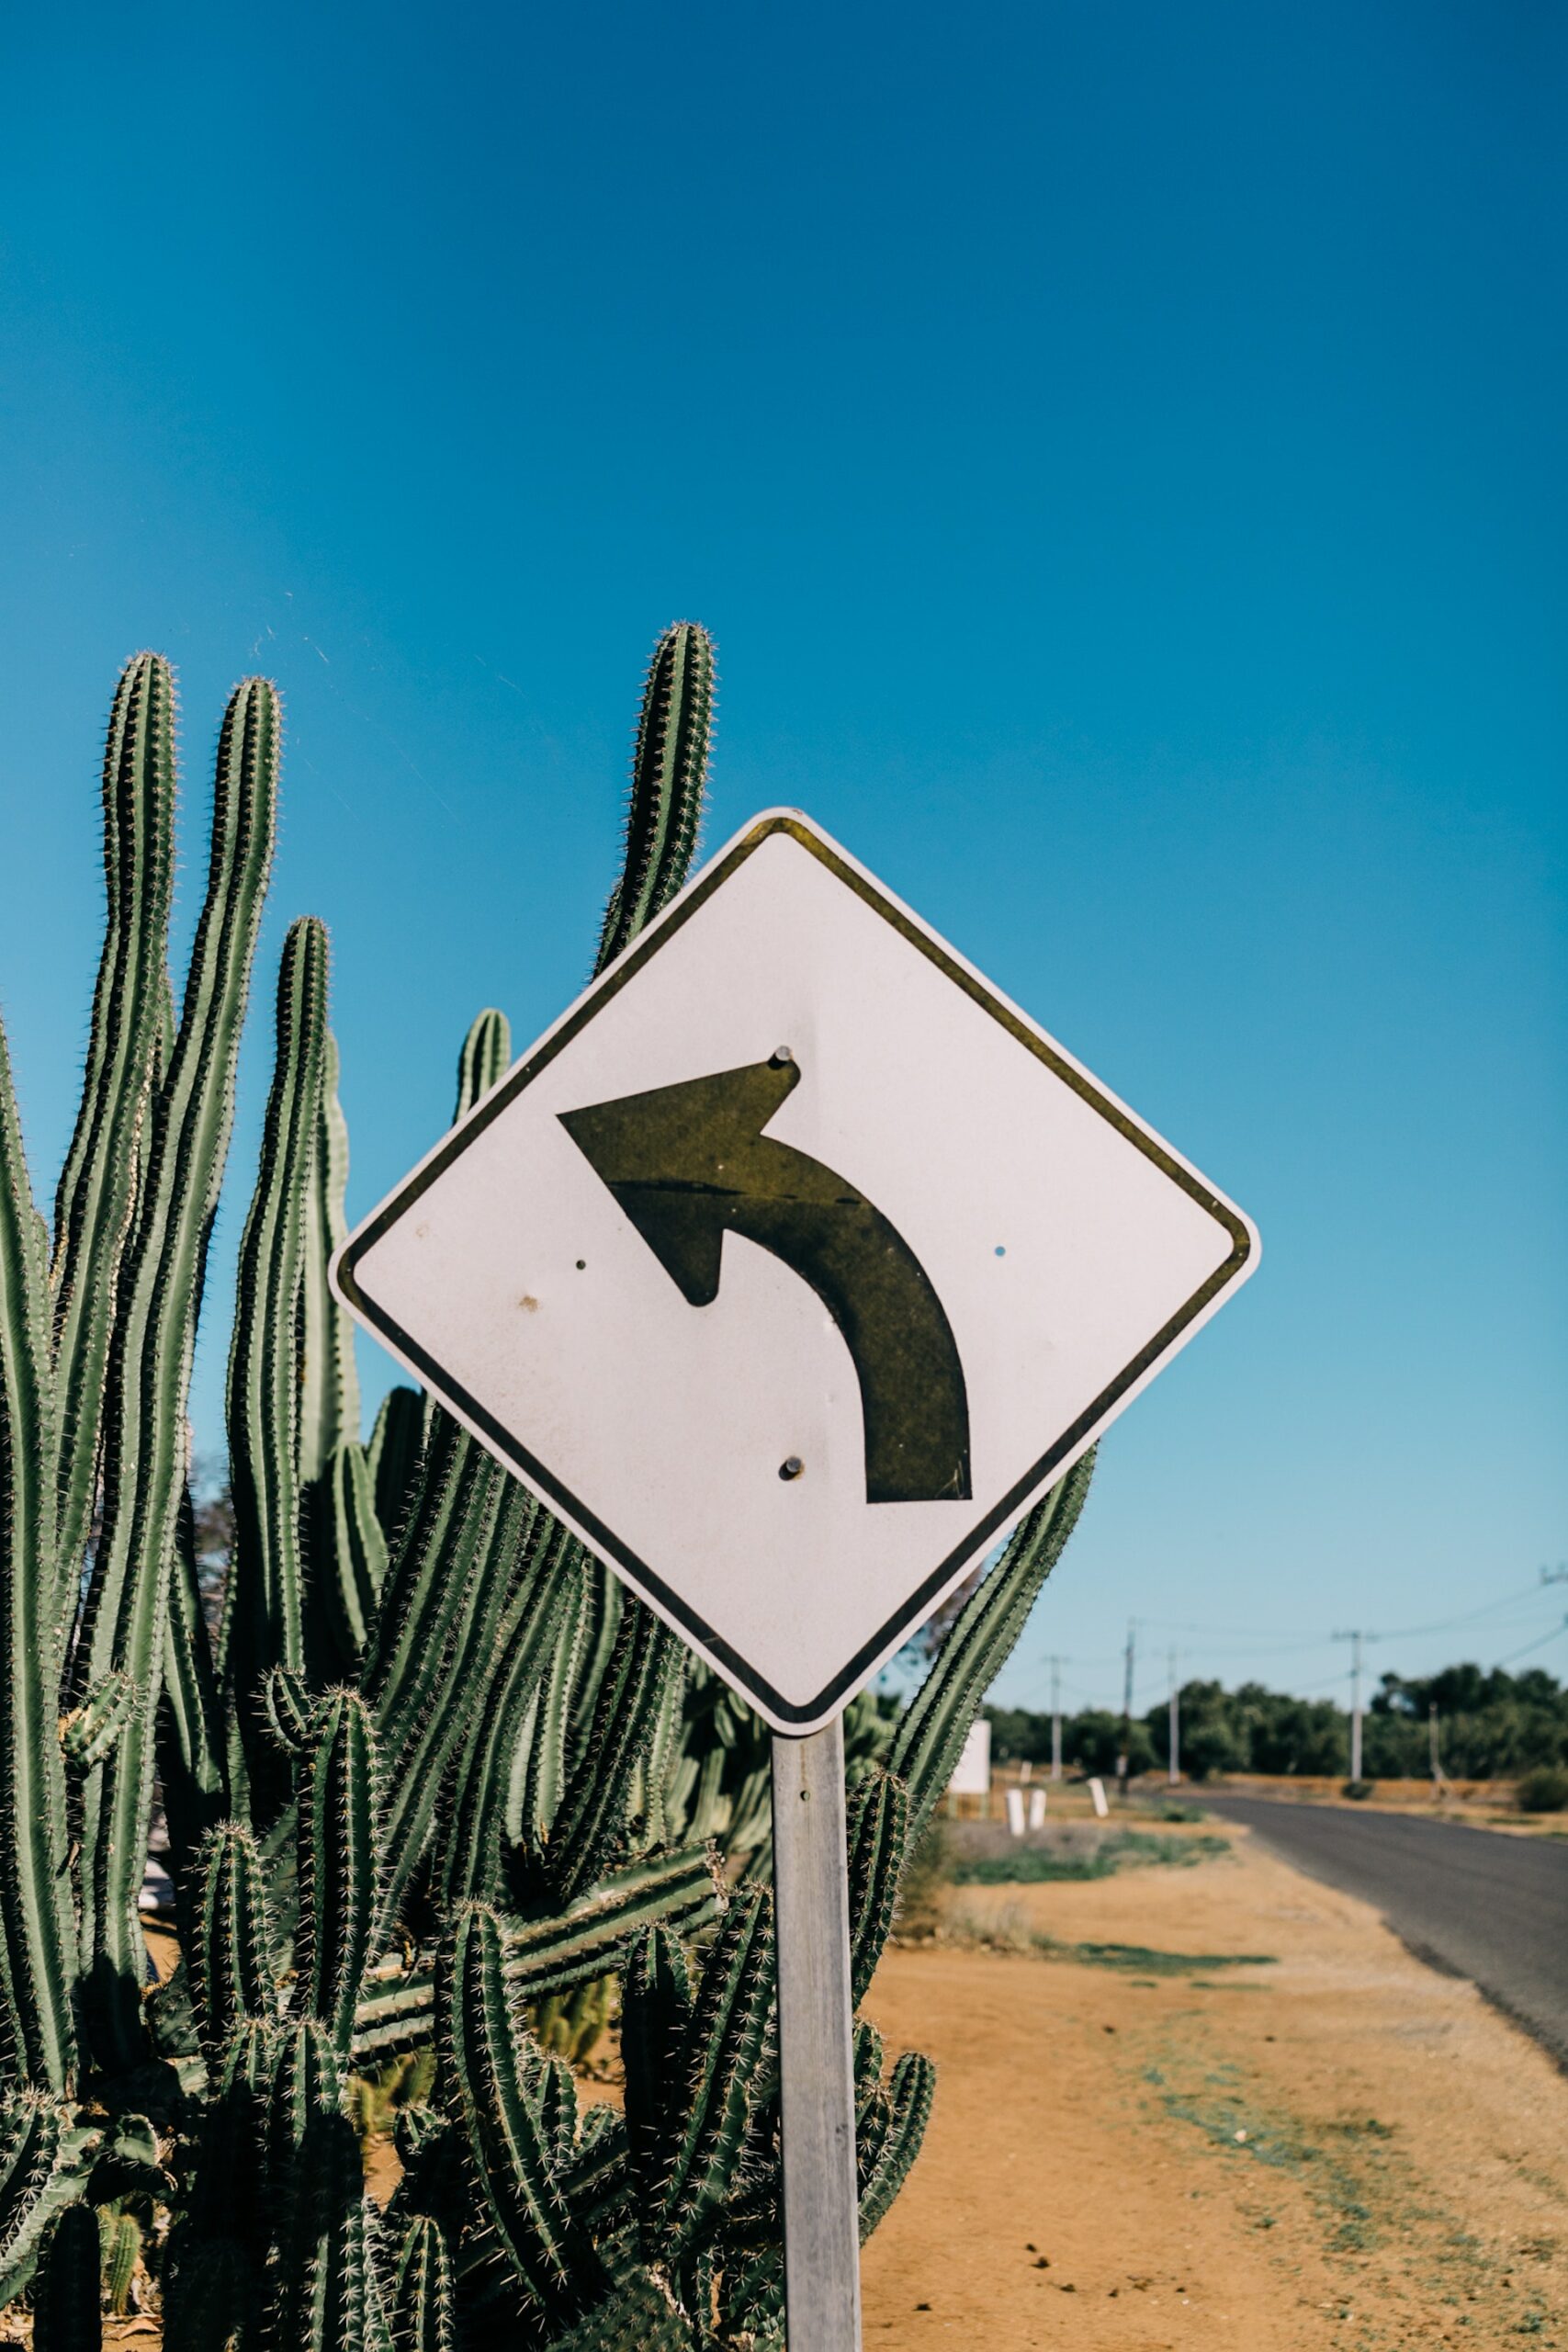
<point>1165,1963</point>
<point>1008,1928</point>
<point>1237,2131</point>
<point>1122,1849</point>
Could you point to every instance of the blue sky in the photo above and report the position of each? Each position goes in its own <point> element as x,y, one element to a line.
<point>1118,453</point>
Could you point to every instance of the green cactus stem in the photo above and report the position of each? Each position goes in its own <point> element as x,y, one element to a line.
<point>669,774</point>
<point>496,2081</point>
<point>264,1613</point>
<point>878,1826</point>
<point>487,1051</point>
<point>98,1183</point>
<point>329,1382</point>
<point>144,1417</point>
<point>45,2158</point>
<point>339,1817</point>
<point>67,2307</point>
<point>38,2032</point>
<point>229,1941</point>
<point>728,2046</point>
<point>424,2297</point>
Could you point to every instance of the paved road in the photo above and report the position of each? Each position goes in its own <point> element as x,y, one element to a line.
<point>1490,1908</point>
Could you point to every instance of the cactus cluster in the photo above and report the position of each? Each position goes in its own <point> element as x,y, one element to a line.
<point>441,1799</point>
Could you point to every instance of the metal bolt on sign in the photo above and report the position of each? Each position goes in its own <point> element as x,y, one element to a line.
<point>859,1387</point>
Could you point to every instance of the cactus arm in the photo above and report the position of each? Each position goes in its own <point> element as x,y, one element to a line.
<point>878,1820</point>
<point>909,2098</point>
<point>424,2290</point>
<point>626,1716</point>
<point>265,1598</point>
<point>66,2311</point>
<point>288,1707</point>
<point>640,2316</point>
<point>38,2037</point>
<point>678,1890</point>
<point>228,1941</point>
<point>668,772</point>
<point>339,1820</point>
<point>656,2017</point>
<point>44,2162</point>
<point>191,1743</point>
<point>928,1740</point>
<point>604,1599</point>
<point>397,1441</point>
<point>486,2061</point>
<point>90,1731</point>
<point>545,1779</point>
<point>324,2273</point>
<point>144,1419</point>
<point>347,1553</point>
<point>95,1197</point>
<point>487,1050</point>
<point>545,1957</point>
<point>427,1578</point>
<point>329,1381</point>
<point>506,1570</point>
<point>728,2046</point>
<point>471,1832</point>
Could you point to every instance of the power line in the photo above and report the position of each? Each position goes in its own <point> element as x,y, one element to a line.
<point>1539,1644</point>
<point>1274,1638</point>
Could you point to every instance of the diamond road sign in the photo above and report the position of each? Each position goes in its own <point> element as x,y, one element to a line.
<point>791,1265</point>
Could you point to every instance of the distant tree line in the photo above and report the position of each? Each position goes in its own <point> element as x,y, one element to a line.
<point>1491,1725</point>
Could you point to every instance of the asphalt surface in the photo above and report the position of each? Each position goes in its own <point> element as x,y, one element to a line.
<point>1483,1905</point>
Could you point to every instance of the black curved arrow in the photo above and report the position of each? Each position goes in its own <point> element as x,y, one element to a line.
<point>689,1163</point>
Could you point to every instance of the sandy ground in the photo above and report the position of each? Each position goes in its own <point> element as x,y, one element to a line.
<point>1341,2149</point>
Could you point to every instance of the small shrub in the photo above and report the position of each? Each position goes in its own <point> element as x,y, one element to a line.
<point>1544,1790</point>
<point>1358,1790</point>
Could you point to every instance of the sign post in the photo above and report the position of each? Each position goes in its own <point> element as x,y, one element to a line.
<point>817,2088</point>
<point>789,1268</point>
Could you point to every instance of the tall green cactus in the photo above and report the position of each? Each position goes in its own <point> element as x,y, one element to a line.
<point>149,1370</point>
<point>668,772</point>
<point>38,2044</point>
<point>445,1787</point>
<point>264,1616</point>
<point>339,1816</point>
<point>97,1182</point>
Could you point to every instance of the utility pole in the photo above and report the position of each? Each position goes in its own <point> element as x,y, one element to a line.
<point>1356,1641</point>
<point>1056,1665</point>
<point>1124,1761</point>
<point>1436,1766</point>
<point>1173,1769</point>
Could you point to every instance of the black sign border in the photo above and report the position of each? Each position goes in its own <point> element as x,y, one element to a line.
<point>516,1456</point>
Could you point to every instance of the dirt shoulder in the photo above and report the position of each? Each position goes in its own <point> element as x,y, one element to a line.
<point>1339,2149</point>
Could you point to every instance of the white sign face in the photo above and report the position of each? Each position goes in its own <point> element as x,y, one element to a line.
<point>791,1266</point>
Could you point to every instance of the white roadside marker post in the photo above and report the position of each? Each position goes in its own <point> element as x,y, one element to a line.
<point>816,2090</point>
